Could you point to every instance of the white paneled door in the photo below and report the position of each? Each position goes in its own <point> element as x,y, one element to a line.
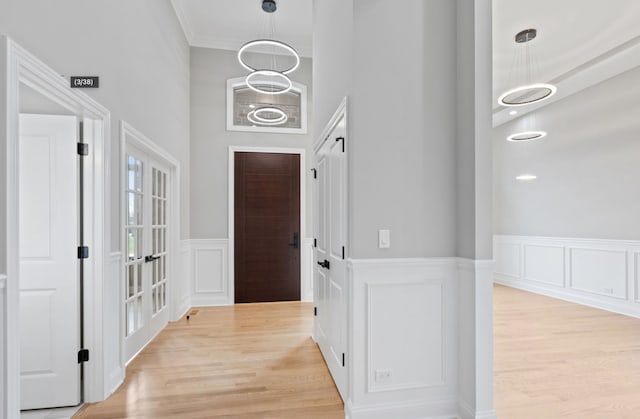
<point>49,266</point>
<point>330,270</point>
<point>147,209</point>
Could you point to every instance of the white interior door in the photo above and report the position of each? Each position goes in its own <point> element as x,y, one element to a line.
<point>146,242</point>
<point>49,266</point>
<point>330,254</point>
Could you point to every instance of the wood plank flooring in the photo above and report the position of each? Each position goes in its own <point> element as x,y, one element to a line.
<point>554,359</point>
<point>244,361</point>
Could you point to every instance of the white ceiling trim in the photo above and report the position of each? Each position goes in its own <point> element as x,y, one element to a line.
<point>187,28</point>
<point>234,44</point>
<point>612,63</point>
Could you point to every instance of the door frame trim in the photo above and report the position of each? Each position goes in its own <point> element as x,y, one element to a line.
<point>131,136</point>
<point>231,212</point>
<point>24,68</point>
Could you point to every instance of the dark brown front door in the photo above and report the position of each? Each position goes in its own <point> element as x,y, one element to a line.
<point>267,227</point>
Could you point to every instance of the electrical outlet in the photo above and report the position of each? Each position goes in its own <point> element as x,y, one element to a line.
<point>383,376</point>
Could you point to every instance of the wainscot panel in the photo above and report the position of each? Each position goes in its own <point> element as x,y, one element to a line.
<point>210,273</point>
<point>402,328</point>
<point>595,272</point>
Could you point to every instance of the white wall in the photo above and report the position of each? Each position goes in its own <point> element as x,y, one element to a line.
<point>587,167</point>
<point>210,69</point>
<point>140,53</point>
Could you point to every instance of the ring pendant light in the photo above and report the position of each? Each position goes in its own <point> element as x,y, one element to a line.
<point>257,116</point>
<point>529,92</point>
<point>526,136</point>
<point>269,81</point>
<point>268,42</point>
<point>526,95</point>
<point>269,88</point>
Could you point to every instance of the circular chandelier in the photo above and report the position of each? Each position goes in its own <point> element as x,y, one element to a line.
<point>269,81</point>
<point>526,136</point>
<point>273,43</point>
<point>269,87</point>
<point>528,92</point>
<point>261,116</point>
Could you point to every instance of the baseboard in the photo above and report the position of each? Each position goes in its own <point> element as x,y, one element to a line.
<point>116,378</point>
<point>444,409</point>
<point>210,301</point>
<point>184,307</point>
<point>466,412</point>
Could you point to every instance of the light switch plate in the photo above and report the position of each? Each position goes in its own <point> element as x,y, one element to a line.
<point>384,239</point>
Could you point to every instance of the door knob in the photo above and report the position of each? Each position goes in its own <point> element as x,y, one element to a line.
<point>325,264</point>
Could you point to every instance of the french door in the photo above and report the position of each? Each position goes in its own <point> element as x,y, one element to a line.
<point>147,210</point>
<point>330,272</point>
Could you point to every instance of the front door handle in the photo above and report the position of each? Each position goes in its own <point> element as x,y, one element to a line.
<point>325,264</point>
<point>150,258</point>
<point>296,241</point>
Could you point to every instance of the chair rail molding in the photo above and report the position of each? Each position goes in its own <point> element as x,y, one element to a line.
<point>600,273</point>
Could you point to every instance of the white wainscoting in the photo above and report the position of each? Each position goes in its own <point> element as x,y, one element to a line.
<point>3,338</point>
<point>594,272</point>
<point>475,338</point>
<point>183,290</point>
<point>306,259</point>
<point>210,273</point>
<point>206,263</point>
<point>113,321</point>
<point>403,319</point>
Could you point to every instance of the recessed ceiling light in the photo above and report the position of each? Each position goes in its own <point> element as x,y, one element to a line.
<point>252,106</point>
<point>513,113</point>
<point>526,177</point>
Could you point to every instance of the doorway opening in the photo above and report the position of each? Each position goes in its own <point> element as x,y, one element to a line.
<point>55,197</point>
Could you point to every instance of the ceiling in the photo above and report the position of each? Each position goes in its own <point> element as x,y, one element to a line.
<point>579,43</point>
<point>228,24</point>
<point>575,37</point>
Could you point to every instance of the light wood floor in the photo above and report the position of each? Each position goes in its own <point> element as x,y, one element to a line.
<point>245,361</point>
<point>554,359</point>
